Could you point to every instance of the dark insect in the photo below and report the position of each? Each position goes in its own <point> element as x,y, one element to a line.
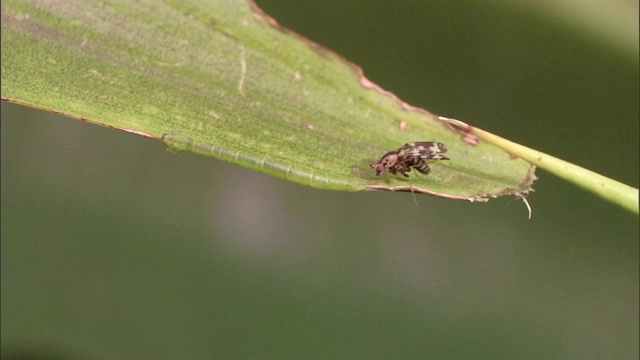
<point>411,155</point>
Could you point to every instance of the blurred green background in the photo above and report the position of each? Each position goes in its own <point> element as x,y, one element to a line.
<point>114,248</point>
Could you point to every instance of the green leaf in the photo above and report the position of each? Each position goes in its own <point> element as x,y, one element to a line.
<point>221,78</point>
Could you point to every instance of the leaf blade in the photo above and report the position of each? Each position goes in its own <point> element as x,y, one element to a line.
<point>222,79</point>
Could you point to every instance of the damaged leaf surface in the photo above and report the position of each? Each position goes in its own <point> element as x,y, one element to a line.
<point>221,78</point>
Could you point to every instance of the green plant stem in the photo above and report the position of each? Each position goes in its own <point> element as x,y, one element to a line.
<point>609,189</point>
